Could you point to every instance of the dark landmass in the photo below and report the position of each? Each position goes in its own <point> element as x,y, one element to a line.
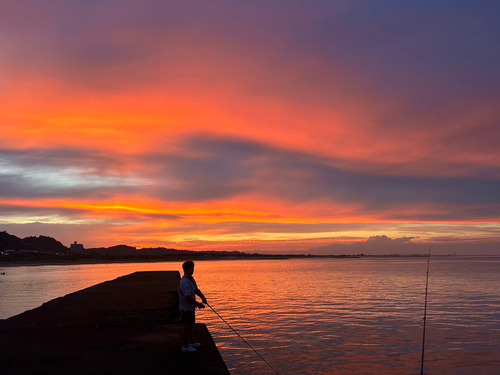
<point>47,250</point>
<point>41,244</point>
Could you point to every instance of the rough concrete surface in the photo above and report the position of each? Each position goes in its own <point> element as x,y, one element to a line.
<point>124,326</point>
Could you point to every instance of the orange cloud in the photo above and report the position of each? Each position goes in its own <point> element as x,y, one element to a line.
<point>176,125</point>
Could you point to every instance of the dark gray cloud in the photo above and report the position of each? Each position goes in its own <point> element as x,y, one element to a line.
<point>412,45</point>
<point>69,173</point>
<point>35,212</point>
<point>378,245</point>
<point>428,51</point>
<point>222,168</point>
<point>96,160</point>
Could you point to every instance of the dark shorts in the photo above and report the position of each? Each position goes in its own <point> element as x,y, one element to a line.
<point>188,316</point>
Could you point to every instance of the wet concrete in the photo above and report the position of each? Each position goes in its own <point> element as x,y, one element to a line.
<point>123,326</point>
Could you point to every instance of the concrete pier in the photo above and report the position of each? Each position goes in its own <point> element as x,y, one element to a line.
<point>123,326</point>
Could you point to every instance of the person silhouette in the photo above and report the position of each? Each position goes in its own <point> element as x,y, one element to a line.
<point>188,290</point>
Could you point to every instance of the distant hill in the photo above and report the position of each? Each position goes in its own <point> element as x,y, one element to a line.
<point>45,244</point>
<point>40,243</point>
<point>124,250</point>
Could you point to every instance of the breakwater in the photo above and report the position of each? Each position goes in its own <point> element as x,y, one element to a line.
<point>123,326</point>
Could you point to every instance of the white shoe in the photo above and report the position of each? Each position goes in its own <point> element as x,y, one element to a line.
<point>196,345</point>
<point>189,349</point>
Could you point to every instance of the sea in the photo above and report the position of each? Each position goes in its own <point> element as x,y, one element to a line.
<point>320,315</point>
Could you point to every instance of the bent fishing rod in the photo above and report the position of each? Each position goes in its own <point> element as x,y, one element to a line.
<point>245,341</point>
<point>425,313</point>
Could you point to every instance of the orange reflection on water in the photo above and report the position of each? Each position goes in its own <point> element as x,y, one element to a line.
<point>324,316</point>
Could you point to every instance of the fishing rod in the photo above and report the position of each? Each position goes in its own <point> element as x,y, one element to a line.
<point>245,341</point>
<point>425,313</point>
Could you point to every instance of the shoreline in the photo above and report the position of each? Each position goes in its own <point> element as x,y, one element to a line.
<point>122,260</point>
<point>73,262</point>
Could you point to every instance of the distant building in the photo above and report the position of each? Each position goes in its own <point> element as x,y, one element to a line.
<point>76,248</point>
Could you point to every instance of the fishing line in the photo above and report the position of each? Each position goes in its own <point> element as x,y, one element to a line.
<point>425,313</point>
<point>245,341</point>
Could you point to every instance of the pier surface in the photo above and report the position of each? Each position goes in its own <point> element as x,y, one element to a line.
<point>123,326</point>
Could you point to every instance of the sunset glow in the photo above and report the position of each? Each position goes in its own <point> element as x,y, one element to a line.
<point>259,127</point>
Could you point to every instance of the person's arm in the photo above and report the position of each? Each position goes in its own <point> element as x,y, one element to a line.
<point>200,294</point>
<point>192,301</point>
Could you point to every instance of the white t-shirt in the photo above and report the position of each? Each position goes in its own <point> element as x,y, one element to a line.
<point>186,288</point>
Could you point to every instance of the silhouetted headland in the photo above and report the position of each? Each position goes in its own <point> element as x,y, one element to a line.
<point>47,250</point>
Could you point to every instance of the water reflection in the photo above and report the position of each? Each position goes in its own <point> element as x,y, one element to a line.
<point>355,317</point>
<point>321,316</point>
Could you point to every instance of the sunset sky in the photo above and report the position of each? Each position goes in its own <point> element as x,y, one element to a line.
<point>253,126</point>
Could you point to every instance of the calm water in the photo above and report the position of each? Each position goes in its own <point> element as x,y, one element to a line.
<point>321,316</point>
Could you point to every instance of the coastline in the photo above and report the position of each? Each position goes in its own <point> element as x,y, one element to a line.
<point>65,260</point>
<point>83,261</point>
